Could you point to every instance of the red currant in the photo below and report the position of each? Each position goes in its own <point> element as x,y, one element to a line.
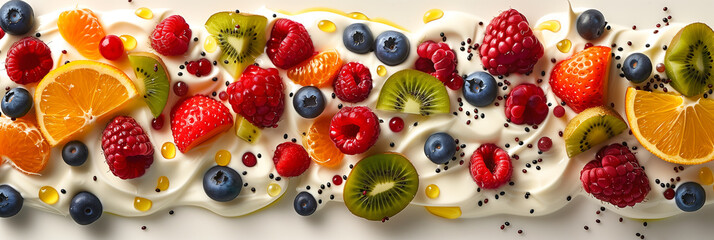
<point>249,159</point>
<point>559,111</point>
<point>111,47</point>
<point>158,122</point>
<point>223,95</point>
<point>192,67</point>
<point>544,144</point>
<point>204,67</point>
<point>337,180</point>
<point>669,194</point>
<point>396,124</point>
<point>180,88</point>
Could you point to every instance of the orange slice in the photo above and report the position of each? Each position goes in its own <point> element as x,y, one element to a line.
<point>22,145</point>
<point>319,70</point>
<point>318,144</point>
<point>81,29</point>
<point>76,94</point>
<point>675,128</point>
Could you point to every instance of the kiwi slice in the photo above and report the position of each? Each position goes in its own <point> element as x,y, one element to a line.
<point>380,186</point>
<point>413,91</point>
<point>241,38</point>
<point>246,130</point>
<point>151,71</point>
<point>591,127</point>
<point>688,60</point>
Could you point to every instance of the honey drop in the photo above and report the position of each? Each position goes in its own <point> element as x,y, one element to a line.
<point>381,71</point>
<point>128,41</point>
<point>326,26</point>
<point>705,176</point>
<point>144,13</point>
<point>550,25</point>
<point>210,44</point>
<point>223,157</point>
<point>162,184</point>
<point>48,195</point>
<point>274,189</point>
<point>142,204</point>
<point>432,15</point>
<point>564,45</point>
<point>432,191</point>
<point>168,150</point>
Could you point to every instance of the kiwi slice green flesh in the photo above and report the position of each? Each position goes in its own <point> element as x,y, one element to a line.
<point>413,91</point>
<point>688,60</point>
<point>151,71</point>
<point>246,130</point>
<point>241,38</point>
<point>591,127</point>
<point>380,186</point>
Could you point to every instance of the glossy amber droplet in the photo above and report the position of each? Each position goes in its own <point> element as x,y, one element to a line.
<point>550,25</point>
<point>381,71</point>
<point>144,13</point>
<point>128,41</point>
<point>274,189</point>
<point>142,204</point>
<point>168,150</point>
<point>445,212</point>
<point>564,45</point>
<point>210,44</point>
<point>48,195</point>
<point>358,16</point>
<point>162,183</point>
<point>223,157</point>
<point>326,26</point>
<point>432,15</point>
<point>705,176</point>
<point>432,191</point>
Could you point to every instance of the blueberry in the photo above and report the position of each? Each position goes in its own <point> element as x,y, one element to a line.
<point>75,153</point>
<point>440,147</point>
<point>85,208</point>
<point>18,17</point>
<point>16,102</point>
<point>358,38</point>
<point>392,48</point>
<point>222,183</point>
<point>10,201</point>
<point>637,67</point>
<point>480,89</point>
<point>305,204</point>
<point>590,24</point>
<point>309,102</point>
<point>690,196</point>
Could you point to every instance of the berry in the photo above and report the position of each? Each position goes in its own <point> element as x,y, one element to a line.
<point>16,17</point>
<point>192,67</point>
<point>2,33</point>
<point>75,153</point>
<point>111,47</point>
<point>358,38</point>
<point>544,144</point>
<point>353,83</point>
<point>439,60</point>
<point>337,180</point>
<point>558,111</point>
<point>16,103</point>
<point>354,129</point>
<point>204,67</point>
<point>637,67</point>
<point>10,201</point>
<point>158,122</point>
<point>249,159</point>
<point>580,80</point>
<point>690,196</point>
<point>526,105</point>
<point>509,45</point>
<point>490,166</point>
<point>615,176</point>
<point>222,183</point>
<point>590,24</point>
<point>396,124</point>
<point>85,208</point>
<point>258,96</point>
<point>440,147</point>
<point>180,88</point>
<point>28,60</point>
<point>291,159</point>
<point>289,44</point>
<point>391,48</point>
<point>127,148</point>
<point>480,89</point>
<point>305,204</point>
<point>309,102</point>
<point>196,119</point>
<point>171,37</point>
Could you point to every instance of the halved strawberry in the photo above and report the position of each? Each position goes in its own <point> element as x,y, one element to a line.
<point>196,119</point>
<point>581,79</point>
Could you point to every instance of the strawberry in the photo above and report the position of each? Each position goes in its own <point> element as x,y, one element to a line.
<point>196,119</point>
<point>580,80</point>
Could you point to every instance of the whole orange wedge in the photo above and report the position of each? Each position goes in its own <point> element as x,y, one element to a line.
<point>22,145</point>
<point>81,29</point>
<point>319,70</point>
<point>318,144</point>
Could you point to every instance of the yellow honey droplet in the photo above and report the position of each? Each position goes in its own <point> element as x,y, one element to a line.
<point>381,71</point>
<point>274,189</point>
<point>48,195</point>
<point>432,191</point>
<point>432,15</point>
<point>550,25</point>
<point>445,212</point>
<point>223,157</point>
<point>705,176</point>
<point>358,16</point>
<point>142,204</point>
<point>162,184</point>
<point>144,13</point>
<point>326,26</point>
<point>210,44</point>
<point>168,150</point>
<point>128,41</point>
<point>564,45</point>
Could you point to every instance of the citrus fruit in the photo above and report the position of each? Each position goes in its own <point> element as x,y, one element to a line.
<point>76,94</point>
<point>319,70</point>
<point>319,145</point>
<point>81,29</point>
<point>23,146</point>
<point>675,128</point>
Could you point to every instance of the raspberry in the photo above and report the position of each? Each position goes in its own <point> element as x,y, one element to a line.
<point>526,104</point>
<point>196,119</point>
<point>509,45</point>
<point>615,176</point>
<point>291,159</point>
<point>353,83</point>
<point>127,148</point>
<point>440,61</point>
<point>490,166</point>
<point>28,61</point>
<point>289,44</point>
<point>171,37</point>
<point>354,129</point>
<point>258,96</point>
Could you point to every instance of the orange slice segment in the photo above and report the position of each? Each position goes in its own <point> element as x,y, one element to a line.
<point>318,144</point>
<point>76,94</point>
<point>81,29</point>
<point>22,145</point>
<point>672,127</point>
<point>319,70</point>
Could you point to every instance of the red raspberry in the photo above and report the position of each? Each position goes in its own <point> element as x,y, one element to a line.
<point>440,61</point>
<point>615,176</point>
<point>509,45</point>
<point>258,96</point>
<point>490,166</point>
<point>127,148</point>
<point>291,159</point>
<point>196,119</point>
<point>353,83</point>
<point>354,129</point>
<point>526,104</point>
<point>28,61</point>
<point>289,44</point>
<point>171,37</point>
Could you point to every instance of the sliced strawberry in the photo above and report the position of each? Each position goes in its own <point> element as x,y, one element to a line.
<point>289,44</point>
<point>580,80</point>
<point>196,119</point>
